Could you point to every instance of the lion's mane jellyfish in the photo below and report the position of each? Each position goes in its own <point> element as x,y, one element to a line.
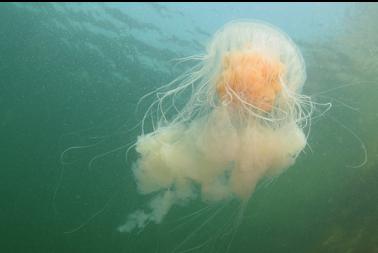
<point>241,121</point>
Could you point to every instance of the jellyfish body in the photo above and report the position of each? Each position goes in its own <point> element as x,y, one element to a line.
<point>243,122</point>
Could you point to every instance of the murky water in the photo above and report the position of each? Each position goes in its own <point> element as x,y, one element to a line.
<point>71,77</point>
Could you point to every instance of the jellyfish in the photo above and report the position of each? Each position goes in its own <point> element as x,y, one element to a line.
<point>234,119</point>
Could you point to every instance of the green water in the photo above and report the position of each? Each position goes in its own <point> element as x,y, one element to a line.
<point>71,76</point>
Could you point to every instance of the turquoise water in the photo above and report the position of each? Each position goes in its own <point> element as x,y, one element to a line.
<point>71,76</point>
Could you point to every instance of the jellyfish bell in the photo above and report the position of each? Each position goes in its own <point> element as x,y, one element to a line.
<point>265,42</point>
<point>250,77</point>
<point>243,122</point>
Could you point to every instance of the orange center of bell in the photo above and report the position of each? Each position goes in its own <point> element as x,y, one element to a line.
<point>251,78</point>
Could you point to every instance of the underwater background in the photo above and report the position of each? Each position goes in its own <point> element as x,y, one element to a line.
<point>71,78</point>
